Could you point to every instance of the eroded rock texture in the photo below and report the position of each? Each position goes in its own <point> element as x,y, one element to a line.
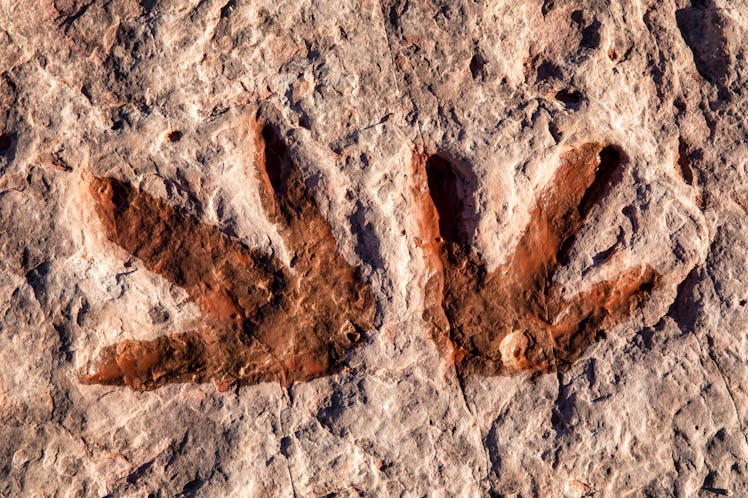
<point>467,249</point>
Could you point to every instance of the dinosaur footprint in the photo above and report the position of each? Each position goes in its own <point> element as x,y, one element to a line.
<point>515,318</point>
<point>260,320</point>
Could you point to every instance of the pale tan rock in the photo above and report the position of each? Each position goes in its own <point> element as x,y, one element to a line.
<point>158,94</point>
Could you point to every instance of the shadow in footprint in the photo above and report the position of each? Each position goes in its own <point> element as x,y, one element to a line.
<point>701,26</point>
<point>8,143</point>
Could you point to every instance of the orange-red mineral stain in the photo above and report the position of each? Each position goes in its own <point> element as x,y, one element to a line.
<point>261,321</point>
<point>515,318</point>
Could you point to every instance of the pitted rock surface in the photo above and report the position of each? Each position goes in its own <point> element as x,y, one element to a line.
<point>395,248</point>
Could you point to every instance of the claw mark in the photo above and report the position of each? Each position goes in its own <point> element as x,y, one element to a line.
<point>261,321</point>
<point>516,318</point>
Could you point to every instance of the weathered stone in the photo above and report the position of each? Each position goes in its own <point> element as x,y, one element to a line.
<point>383,125</point>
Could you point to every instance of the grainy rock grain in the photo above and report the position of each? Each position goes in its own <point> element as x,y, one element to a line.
<point>532,223</point>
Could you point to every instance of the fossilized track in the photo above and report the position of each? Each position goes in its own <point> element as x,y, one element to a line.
<point>261,320</point>
<point>515,318</point>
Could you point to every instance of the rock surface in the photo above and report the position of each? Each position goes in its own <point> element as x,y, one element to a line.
<point>405,122</point>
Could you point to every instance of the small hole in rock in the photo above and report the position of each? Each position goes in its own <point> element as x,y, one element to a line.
<point>742,302</point>
<point>547,70</point>
<point>646,286</point>
<point>477,66</point>
<point>600,335</point>
<point>174,136</point>
<point>352,336</point>
<point>569,97</point>
<point>591,36</point>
